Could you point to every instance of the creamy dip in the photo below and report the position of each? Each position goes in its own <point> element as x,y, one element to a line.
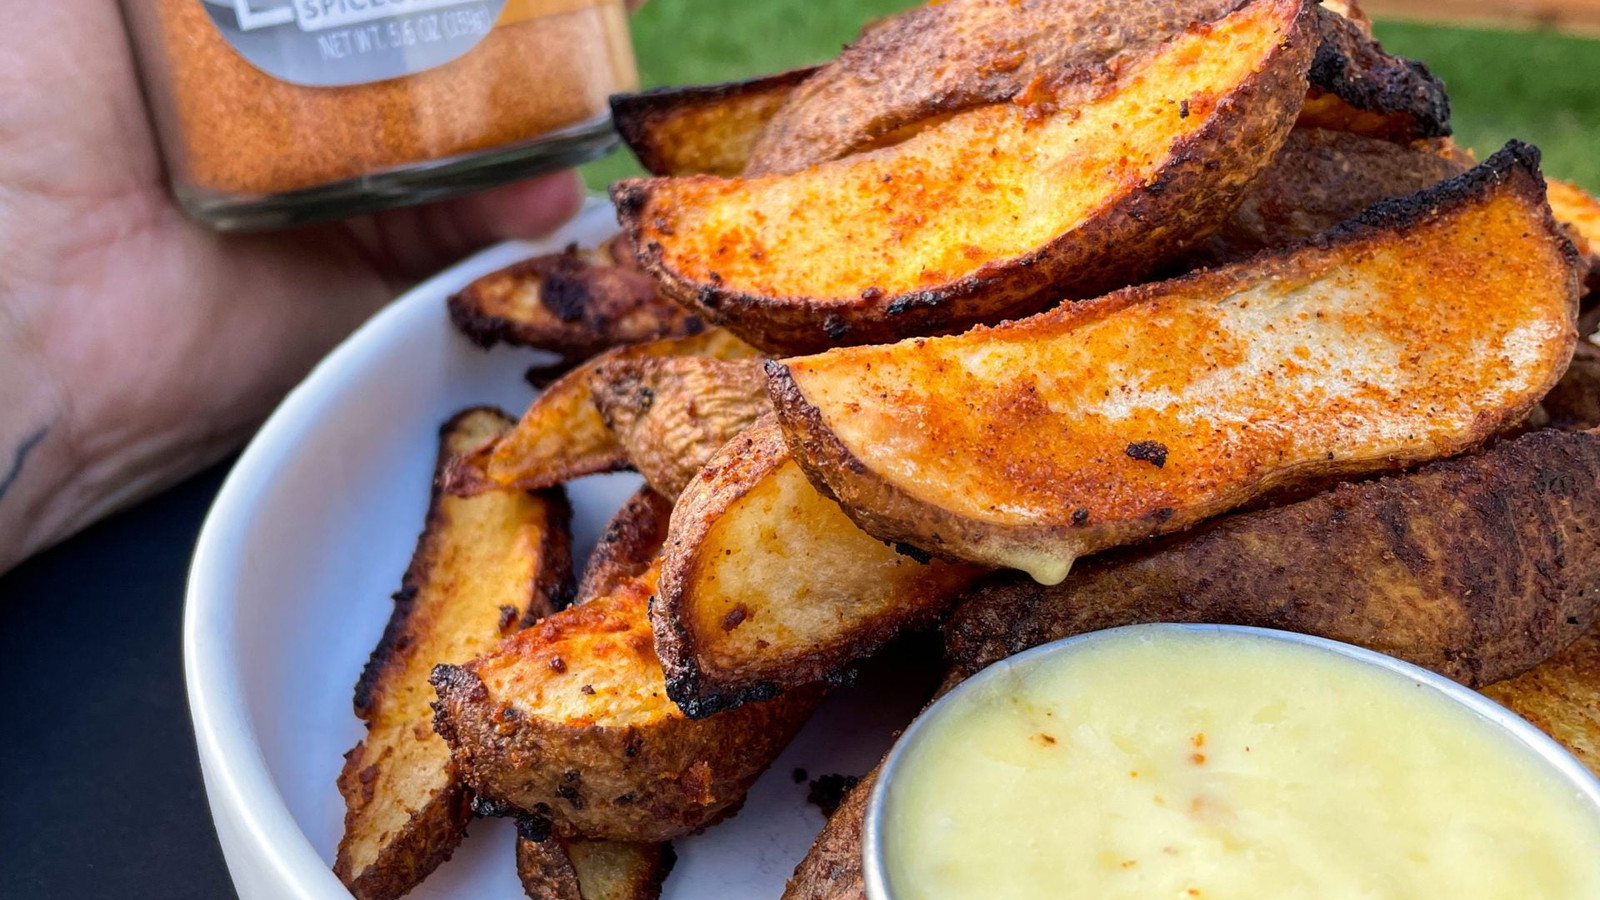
<point>1169,763</point>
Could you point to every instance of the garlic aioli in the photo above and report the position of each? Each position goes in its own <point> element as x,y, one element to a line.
<point>1177,763</point>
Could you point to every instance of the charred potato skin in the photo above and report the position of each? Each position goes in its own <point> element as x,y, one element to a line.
<point>651,782</point>
<point>433,831</point>
<point>1477,568</point>
<point>671,414</point>
<point>1376,93</point>
<point>586,302</point>
<point>1321,178</point>
<point>889,512</point>
<point>1116,247</point>
<point>707,129</point>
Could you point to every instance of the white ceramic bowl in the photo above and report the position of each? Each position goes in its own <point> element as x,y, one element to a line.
<point>289,591</point>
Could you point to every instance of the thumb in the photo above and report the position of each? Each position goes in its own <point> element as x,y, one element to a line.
<point>406,244</point>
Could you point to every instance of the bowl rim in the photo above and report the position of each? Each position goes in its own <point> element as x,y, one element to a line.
<point>1554,756</point>
<point>257,831</point>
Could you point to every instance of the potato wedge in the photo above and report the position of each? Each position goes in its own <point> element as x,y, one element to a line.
<point>628,546</point>
<point>1580,213</point>
<point>1034,201</point>
<point>1574,403</point>
<point>882,88</point>
<point>1151,409</point>
<point>1319,179</point>
<point>768,586</point>
<point>561,436</point>
<point>575,304</point>
<point>1357,87</point>
<point>702,129</point>
<point>1477,568</point>
<point>1562,697</point>
<point>569,722</point>
<point>553,869</point>
<point>482,565</point>
<point>670,414</point>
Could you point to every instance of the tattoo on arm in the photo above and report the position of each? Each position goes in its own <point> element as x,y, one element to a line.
<point>20,457</point>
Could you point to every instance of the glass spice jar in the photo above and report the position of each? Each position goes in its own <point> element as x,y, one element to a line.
<point>275,113</point>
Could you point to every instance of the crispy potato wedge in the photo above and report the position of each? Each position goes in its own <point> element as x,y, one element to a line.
<point>1319,179</point>
<point>670,414</point>
<point>1034,201</point>
<point>1562,697</point>
<point>1151,409</point>
<point>768,586</point>
<point>1477,568</point>
<point>575,304</point>
<point>569,722</point>
<point>482,565</point>
<point>553,869</point>
<point>881,89</point>
<point>628,546</point>
<point>1357,87</point>
<point>1574,403</point>
<point>1575,209</point>
<point>702,129</point>
<point>561,436</point>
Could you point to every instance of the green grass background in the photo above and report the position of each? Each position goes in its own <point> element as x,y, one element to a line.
<point>1539,87</point>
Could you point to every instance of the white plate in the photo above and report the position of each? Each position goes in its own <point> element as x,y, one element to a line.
<point>289,591</point>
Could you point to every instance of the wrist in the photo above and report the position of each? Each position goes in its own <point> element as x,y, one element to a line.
<point>35,453</point>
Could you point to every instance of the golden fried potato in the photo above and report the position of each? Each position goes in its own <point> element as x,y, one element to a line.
<point>670,414</point>
<point>1561,697</point>
<point>569,722</point>
<point>628,546</point>
<point>1154,408</point>
<point>482,566</point>
<point>768,586</point>
<point>562,436</point>
<point>1084,184</point>
<point>706,129</point>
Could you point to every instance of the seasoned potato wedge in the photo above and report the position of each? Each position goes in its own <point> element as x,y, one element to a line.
<point>768,586</point>
<point>1151,409</point>
<point>702,129</point>
<point>670,414</point>
<point>881,89</point>
<point>1562,697</point>
<point>1319,179</point>
<point>554,869</point>
<point>628,546</point>
<point>995,212</point>
<point>575,304</point>
<point>562,436</point>
<point>569,722</point>
<point>1477,568</point>
<point>1357,87</point>
<point>482,565</point>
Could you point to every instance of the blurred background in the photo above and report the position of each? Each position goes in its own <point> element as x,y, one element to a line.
<point>1528,69</point>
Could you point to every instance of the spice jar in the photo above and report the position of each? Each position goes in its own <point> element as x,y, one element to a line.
<point>282,112</point>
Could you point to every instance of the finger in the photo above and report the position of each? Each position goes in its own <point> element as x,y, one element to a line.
<point>416,241</point>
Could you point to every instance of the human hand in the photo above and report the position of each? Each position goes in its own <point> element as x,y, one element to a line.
<point>135,345</point>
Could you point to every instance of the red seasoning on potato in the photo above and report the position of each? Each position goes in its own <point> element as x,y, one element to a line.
<point>275,113</point>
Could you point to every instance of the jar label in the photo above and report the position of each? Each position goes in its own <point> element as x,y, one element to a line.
<point>328,43</point>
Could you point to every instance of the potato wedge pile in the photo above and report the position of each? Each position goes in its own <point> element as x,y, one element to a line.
<point>1166,310</point>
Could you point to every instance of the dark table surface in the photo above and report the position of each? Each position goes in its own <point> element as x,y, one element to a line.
<point>100,792</point>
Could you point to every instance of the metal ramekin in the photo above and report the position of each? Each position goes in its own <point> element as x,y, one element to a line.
<point>1555,757</point>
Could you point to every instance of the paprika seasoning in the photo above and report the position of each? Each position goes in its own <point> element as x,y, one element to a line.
<point>280,112</point>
